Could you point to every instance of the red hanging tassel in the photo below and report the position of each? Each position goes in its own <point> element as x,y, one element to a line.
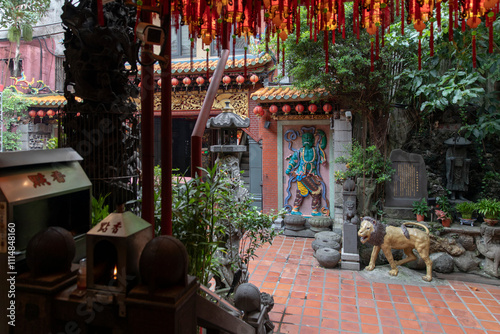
<point>474,62</point>
<point>333,36</point>
<point>325,45</point>
<point>100,14</point>
<point>377,48</point>
<point>234,50</point>
<point>278,49</point>
<point>431,40</point>
<point>298,25</point>
<point>403,17</point>
<point>438,15</point>
<point>191,54</point>
<point>450,21</point>
<point>372,66</point>
<point>420,51</point>
<point>463,26</point>
<point>397,8</point>
<point>457,10</point>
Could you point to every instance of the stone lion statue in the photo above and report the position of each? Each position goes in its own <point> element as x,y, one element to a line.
<point>391,237</point>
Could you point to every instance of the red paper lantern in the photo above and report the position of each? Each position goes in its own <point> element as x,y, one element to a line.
<point>186,81</point>
<point>327,108</point>
<point>200,81</point>
<point>226,80</point>
<point>41,113</point>
<point>240,79</point>
<point>254,79</point>
<point>286,109</point>
<point>312,108</point>
<point>273,109</point>
<point>50,113</point>
<point>299,108</point>
<point>175,82</point>
<point>258,111</point>
<point>159,82</point>
<point>32,113</point>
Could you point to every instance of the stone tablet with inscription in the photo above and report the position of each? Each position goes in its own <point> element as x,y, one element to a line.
<point>409,182</point>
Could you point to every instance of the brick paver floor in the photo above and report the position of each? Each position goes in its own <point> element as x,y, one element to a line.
<point>311,299</point>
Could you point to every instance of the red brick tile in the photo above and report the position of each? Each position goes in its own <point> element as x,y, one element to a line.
<point>346,316</point>
<point>447,320</point>
<point>364,289</point>
<point>348,293</point>
<point>315,289</point>
<point>331,306</point>
<point>473,331</point>
<point>295,302</point>
<point>391,330</point>
<point>309,330</point>
<point>490,325</point>
<point>367,310</point>
<point>289,328</point>
<point>369,319</point>
<point>275,317</point>
<point>385,305</point>
<point>410,324</point>
<point>314,296</point>
<point>298,294</point>
<point>426,317</point>
<point>403,307</point>
<point>415,294</point>
<point>457,306</point>
<point>485,316</point>
<point>365,295</point>
<point>386,312</point>
<point>349,326</point>
<point>367,302</point>
<point>310,321</point>
<point>468,322</point>
<point>348,308</point>
<point>292,310</point>
<point>407,315</point>
<point>418,301</point>
<point>395,286</point>
<point>330,324</point>
<point>291,319</point>
<point>370,329</point>
<point>349,301</point>
<point>477,308</point>
<point>389,321</point>
<point>422,309</point>
<point>438,303</point>
<point>286,280</point>
<point>433,327</point>
<point>313,312</point>
<point>331,299</point>
<point>330,314</point>
<point>280,300</point>
<point>282,293</point>
<point>398,293</point>
<point>400,299</point>
<point>411,331</point>
<point>313,303</point>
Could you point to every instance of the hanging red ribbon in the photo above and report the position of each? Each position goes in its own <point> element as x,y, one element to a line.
<point>325,45</point>
<point>431,40</point>
<point>100,13</point>
<point>438,15</point>
<point>403,17</point>
<point>298,25</point>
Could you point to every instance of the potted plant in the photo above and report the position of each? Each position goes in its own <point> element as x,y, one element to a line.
<point>490,209</point>
<point>444,217</point>
<point>466,209</point>
<point>421,209</point>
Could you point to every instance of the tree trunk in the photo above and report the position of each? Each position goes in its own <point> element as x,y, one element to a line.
<point>15,66</point>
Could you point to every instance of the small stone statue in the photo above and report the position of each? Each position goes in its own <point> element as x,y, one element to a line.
<point>349,194</point>
<point>457,166</point>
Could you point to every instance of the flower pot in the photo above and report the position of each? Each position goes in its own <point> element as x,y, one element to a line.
<point>490,222</point>
<point>467,221</point>
<point>420,218</point>
<point>446,222</point>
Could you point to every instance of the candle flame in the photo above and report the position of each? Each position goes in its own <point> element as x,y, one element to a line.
<point>115,272</point>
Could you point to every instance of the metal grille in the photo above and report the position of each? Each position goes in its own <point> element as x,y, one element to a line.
<point>59,74</point>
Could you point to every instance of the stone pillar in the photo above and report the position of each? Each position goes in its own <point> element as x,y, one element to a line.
<point>350,254</point>
<point>342,140</point>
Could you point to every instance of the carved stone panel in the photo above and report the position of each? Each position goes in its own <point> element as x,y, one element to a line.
<point>409,182</point>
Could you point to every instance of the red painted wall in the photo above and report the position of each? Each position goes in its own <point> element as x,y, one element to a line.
<point>31,58</point>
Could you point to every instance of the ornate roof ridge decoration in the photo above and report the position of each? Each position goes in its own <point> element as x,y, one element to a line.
<point>185,66</point>
<point>285,93</point>
<point>228,119</point>
<point>48,100</point>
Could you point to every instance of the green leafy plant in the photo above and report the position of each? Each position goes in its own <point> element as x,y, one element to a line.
<point>466,209</point>
<point>100,210</point>
<point>489,208</point>
<point>443,204</point>
<point>367,162</point>
<point>421,207</point>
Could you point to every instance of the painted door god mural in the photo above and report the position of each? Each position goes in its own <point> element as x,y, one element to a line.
<point>304,171</point>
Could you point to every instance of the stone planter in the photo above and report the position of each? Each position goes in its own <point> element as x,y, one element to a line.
<point>328,257</point>
<point>319,224</point>
<point>465,221</point>
<point>330,235</point>
<point>491,222</point>
<point>294,223</point>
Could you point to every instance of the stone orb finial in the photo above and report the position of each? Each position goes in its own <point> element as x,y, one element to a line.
<point>349,185</point>
<point>50,252</point>
<point>247,297</point>
<point>164,263</point>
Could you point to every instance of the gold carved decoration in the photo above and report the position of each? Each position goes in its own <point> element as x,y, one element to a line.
<point>194,101</point>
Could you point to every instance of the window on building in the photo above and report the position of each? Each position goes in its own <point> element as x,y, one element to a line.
<point>59,74</point>
<point>10,63</point>
<point>181,44</point>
